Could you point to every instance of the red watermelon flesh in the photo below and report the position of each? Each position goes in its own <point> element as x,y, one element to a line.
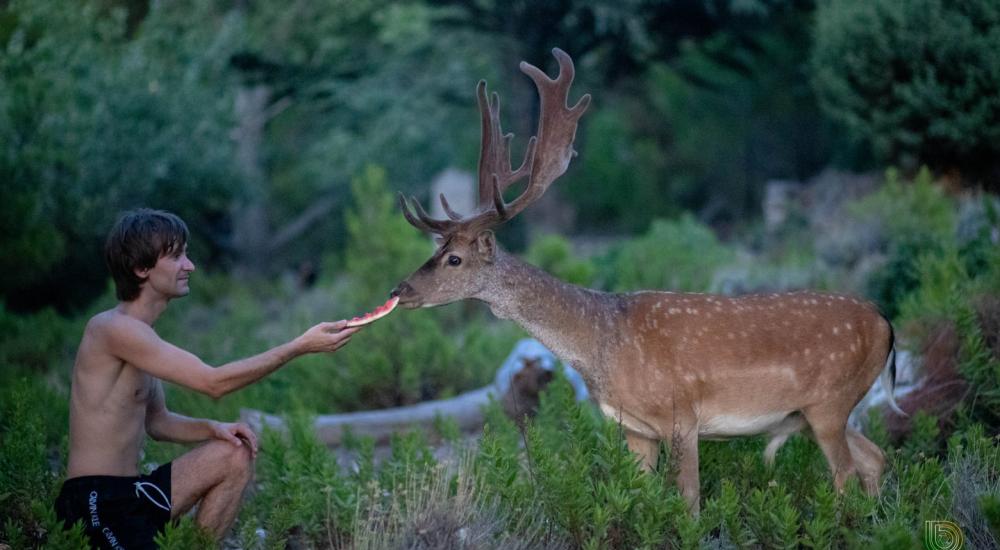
<point>379,312</point>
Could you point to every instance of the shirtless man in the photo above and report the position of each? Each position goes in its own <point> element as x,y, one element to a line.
<point>117,398</point>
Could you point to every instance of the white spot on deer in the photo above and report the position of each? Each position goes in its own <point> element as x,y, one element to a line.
<point>743,333</point>
<point>673,311</point>
<point>808,351</point>
<point>848,326</point>
<point>854,348</point>
<point>836,330</point>
<point>731,336</point>
<point>833,356</point>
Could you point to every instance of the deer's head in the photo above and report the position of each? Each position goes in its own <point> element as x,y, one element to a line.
<point>464,263</point>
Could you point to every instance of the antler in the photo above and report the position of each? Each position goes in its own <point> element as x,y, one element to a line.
<point>547,156</point>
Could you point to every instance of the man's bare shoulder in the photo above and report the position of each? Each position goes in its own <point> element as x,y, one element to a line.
<point>113,327</point>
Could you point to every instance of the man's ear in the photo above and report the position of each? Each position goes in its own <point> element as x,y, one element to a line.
<point>141,272</point>
<point>486,246</point>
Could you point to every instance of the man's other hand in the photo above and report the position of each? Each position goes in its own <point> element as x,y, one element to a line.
<point>326,337</point>
<point>237,433</point>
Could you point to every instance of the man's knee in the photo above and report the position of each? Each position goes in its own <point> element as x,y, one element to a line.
<point>237,460</point>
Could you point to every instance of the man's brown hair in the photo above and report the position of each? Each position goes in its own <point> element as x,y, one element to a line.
<point>138,239</point>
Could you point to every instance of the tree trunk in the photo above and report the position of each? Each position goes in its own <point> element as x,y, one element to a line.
<point>249,214</point>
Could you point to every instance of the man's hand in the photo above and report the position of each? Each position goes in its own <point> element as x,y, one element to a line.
<point>326,337</point>
<point>237,433</point>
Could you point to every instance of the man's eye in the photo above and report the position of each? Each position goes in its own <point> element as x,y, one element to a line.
<point>454,260</point>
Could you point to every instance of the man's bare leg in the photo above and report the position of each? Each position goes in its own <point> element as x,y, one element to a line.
<point>212,476</point>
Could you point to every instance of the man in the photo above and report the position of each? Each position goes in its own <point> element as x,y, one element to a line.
<point>117,398</point>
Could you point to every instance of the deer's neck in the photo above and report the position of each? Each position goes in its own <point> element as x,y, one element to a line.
<point>576,323</point>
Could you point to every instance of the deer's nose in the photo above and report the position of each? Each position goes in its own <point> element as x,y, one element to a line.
<point>399,290</point>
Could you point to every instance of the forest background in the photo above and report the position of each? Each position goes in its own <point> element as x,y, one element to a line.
<point>732,146</point>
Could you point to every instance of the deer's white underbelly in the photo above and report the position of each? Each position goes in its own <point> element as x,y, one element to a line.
<point>724,426</point>
<point>630,422</point>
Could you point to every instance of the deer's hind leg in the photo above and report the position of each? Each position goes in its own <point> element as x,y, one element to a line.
<point>647,449</point>
<point>785,429</point>
<point>829,428</point>
<point>868,459</point>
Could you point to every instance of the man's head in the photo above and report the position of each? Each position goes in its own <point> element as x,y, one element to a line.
<point>137,242</point>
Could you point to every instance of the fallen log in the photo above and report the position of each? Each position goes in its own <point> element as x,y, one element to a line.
<point>464,409</point>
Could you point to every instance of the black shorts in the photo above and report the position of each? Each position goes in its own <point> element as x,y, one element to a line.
<point>120,513</point>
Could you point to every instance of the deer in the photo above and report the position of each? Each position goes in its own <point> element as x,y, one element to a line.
<point>667,366</point>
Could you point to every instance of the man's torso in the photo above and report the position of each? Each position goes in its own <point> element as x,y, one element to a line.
<point>108,402</point>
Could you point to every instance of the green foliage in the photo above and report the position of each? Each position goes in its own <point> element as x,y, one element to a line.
<point>554,254</point>
<point>301,489</point>
<point>33,420</point>
<point>183,535</point>
<point>94,122</point>
<point>731,111</point>
<point>913,78</point>
<point>990,504</point>
<point>947,290</point>
<point>608,190</point>
<point>35,342</point>
<point>915,219</point>
<point>678,255</point>
<point>382,247</point>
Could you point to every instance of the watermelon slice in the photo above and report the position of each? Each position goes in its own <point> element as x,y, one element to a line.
<point>379,312</point>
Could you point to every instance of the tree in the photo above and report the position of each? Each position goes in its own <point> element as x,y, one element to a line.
<point>917,79</point>
<point>93,123</point>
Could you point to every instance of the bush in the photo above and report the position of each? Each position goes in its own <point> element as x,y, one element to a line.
<point>916,79</point>
<point>554,254</point>
<point>913,219</point>
<point>679,255</point>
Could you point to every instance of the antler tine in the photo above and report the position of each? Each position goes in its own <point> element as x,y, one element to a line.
<point>422,221</point>
<point>447,208</point>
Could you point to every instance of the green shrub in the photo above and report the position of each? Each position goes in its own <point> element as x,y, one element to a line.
<point>679,255</point>
<point>554,254</point>
<point>36,342</point>
<point>184,535</point>
<point>916,78</point>
<point>301,491</point>
<point>607,188</point>
<point>914,219</point>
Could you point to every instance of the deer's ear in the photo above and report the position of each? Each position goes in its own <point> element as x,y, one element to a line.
<point>486,246</point>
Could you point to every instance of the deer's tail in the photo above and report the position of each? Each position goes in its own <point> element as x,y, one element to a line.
<point>888,376</point>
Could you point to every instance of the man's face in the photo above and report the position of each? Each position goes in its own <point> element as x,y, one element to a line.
<point>169,277</point>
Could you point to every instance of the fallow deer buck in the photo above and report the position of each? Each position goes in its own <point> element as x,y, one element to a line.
<point>667,366</point>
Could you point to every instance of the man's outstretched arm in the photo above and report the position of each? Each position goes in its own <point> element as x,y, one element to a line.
<point>137,344</point>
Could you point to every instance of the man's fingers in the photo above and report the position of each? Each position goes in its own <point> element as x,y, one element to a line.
<point>334,326</point>
<point>246,433</point>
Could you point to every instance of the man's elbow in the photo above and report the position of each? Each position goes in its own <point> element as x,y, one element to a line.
<point>214,386</point>
<point>154,429</point>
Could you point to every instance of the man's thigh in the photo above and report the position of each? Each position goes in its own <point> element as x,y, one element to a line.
<point>196,472</point>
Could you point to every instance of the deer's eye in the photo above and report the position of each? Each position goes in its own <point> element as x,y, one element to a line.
<point>454,260</point>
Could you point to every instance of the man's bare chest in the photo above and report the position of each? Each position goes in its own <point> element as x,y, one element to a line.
<point>134,388</point>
